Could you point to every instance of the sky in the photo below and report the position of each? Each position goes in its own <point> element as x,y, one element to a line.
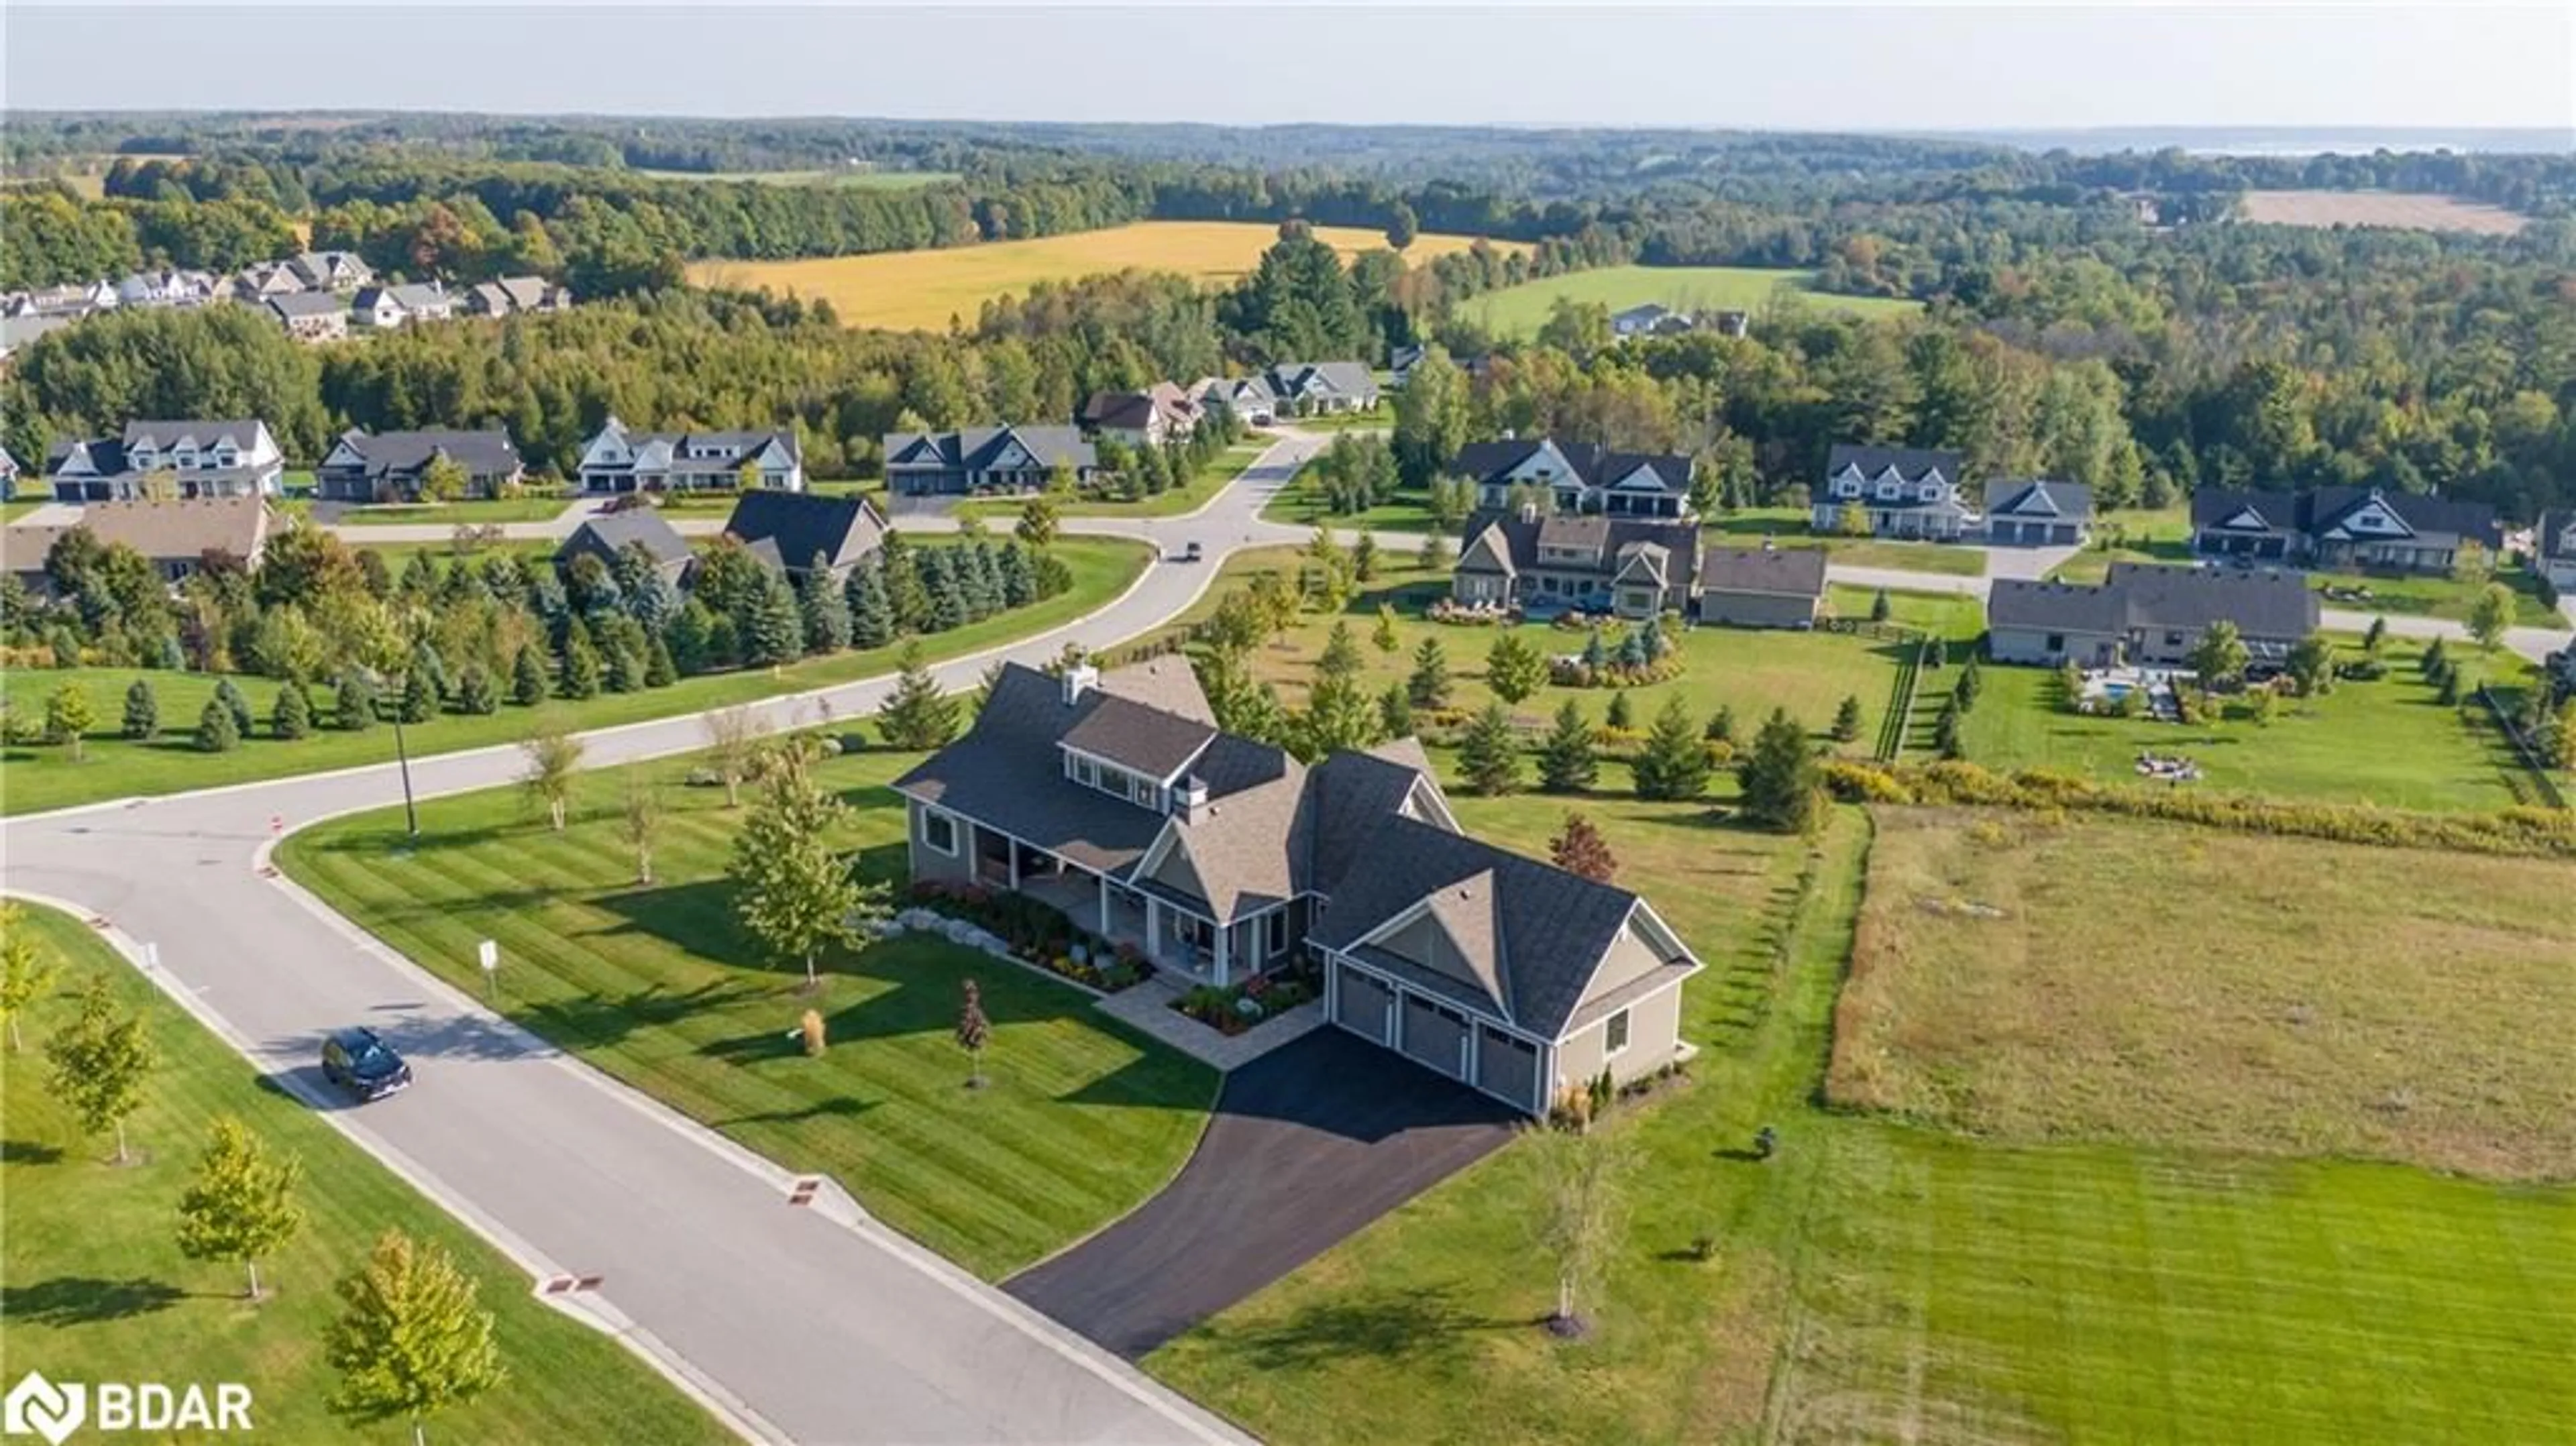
<point>1896,67</point>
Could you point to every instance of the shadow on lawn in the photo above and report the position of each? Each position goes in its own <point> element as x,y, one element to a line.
<point>1384,1324</point>
<point>70,1300</point>
<point>29,1152</point>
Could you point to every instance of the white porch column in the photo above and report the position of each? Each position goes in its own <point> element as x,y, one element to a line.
<point>1104,906</point>
<point>1224,936</point>
<point>1153,929</point>
<point>1014,846</point>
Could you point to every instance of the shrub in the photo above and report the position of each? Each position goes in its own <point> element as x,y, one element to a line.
<point>216,732</point>
<point>811,1029</point>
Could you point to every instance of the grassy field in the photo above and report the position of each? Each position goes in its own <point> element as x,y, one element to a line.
<point>1752,672</point>
<point>1792,527</point>
<point>1519,311</point>
<point>2438,597</point>
<point>1883,1282</point>
<point>921,290</point>
<point>1381,420</point>
<point>476,512</point>
<point>2403,210</point>
<point>2315,998</point>
<point>658,986</point>
<point>1210,479</point>
<point>2390,742</point>
<point>94,1287</point>
<point>839,176</point>
<point>38,778</point>
<point>1301,503</point>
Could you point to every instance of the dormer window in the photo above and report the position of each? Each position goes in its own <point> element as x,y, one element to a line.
<point>1931,491</point>
<point>1848,487</point>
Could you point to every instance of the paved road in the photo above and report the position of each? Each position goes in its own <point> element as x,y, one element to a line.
<point>802,1324</point>
<point>1309,1143</point>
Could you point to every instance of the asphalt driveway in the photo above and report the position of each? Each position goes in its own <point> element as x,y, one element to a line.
<point>1308,1144</point>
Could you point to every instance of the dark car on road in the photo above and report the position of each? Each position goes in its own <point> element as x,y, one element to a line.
<point>359,1061</point>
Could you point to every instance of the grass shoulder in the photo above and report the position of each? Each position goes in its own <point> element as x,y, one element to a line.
<point>96,1288</point>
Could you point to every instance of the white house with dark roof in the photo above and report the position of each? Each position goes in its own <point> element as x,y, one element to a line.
<point>1324,387</point>
<point>2553,549</point>
<point>1248,399</point>
<point>2038,513</point>
<point>2341,527</point>
<point>1905,492</point>
<point>331,270</point>
<point>1116,798</point>
<point>198,459</point>
<point>618,460</point>
<point>1578,476</point>
<point>386,307</point>
<point>985,459</point>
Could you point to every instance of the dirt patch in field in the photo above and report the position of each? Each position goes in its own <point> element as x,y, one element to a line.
<point>2402,210</point>
<point>2198,988</point>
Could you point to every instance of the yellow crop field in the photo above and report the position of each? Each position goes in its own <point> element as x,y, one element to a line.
<point>921,290</point>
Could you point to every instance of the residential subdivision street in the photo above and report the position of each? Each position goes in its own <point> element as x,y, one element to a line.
<point>810,1323</point>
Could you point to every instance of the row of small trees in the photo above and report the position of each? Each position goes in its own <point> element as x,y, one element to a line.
<point>410,1338</point>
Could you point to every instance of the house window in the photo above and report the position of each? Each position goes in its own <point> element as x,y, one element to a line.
<point>1614,1035</point>
<point>939,831</point>
<point>1274,933</point>
<point>2173,640</point>
<point>2057,642</point>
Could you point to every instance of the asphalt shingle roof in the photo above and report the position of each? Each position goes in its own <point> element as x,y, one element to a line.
<point>796,527</point>
<point>1789,571</point>
<point>1911,463</point>
<point>2039,500</point>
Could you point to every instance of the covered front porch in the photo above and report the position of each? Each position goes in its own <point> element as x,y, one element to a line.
<point>1171,935</point>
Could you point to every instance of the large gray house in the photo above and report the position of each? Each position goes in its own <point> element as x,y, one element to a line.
<point>618,460</point>
<point>1905,492</point>
<point>2039,513</point>
<point>788,531</point>
<point>1116,798</point>
<point>2148,615</point>
<point>2341,527</point>
<point>389,466</point>
<point>1636,567</point>
<point>1579,476</point>
<point>193,459</point>
<point>985,459</point>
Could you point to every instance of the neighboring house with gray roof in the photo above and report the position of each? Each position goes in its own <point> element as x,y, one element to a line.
<point>1905,492</point>
<point>388,466</point>
<point>1579,476</point>
<point>1307,388</point>
<point>310,315</point>
<point>1149,418</point>
<point>618,460</point>
<point>2362,528</point>
<point>2146,615</point>
<point>1248,399</point>
<point>2553,549</point>
<point>331,270</point>
<point>608,534</point>
<point>2038,513</point>
<point>985,459</point>
<point>386,307</point>
<point>787,531</point>
<point>1115,797</point>
<point>196,459</point>
<point>1636,567</point>
<point>1761,587</point>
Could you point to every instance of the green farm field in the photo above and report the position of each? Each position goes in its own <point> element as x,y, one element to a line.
<point>94,1287</point>
<point>1519,311</point>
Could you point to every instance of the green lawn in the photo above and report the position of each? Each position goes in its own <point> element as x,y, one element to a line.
<point>720,502</point>
<point>94,1287</point>
<point>1518,312</point>
<point>656,985</point>
<point>1792,527</point>
<point>1210,479</point>
<point>1951,615</point>
<point>1383,419</point>
<point>2160,535</point>
<point>2389,742</point>
<point>1301,503</point>
<point>17,507</point>
<point>476,512</point>
<point>38,778</point>
<point>1879,1282</point>
<point>1750,671</point>
<point>2437,597</point>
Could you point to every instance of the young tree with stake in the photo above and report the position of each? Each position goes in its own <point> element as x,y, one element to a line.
<point>554,761</point>
<point>241,1206</point>
<point>1578,1219</point>
<point>639,822</point>
<point>733,740</point>
<point>410,1340</point>
<point>100,1062</point>
<point>973,1033</point>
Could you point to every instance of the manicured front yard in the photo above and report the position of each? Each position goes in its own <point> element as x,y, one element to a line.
<point>2435,597</point>
<point>1301,504</point>
<point>477,512</point>
<point>1881,1282</point>
<point>1210,479</point>
<point>93,1286</point>
<point>2344,1000</point>
<point>1793,527</point>
<point>657,985</point>
<point>36,778</point>
<point>2389,742</point>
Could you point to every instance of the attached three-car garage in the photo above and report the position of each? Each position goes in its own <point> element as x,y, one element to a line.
<point>1438,1036</point>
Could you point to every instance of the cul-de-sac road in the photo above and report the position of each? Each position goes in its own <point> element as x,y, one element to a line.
<point>809,1322</point>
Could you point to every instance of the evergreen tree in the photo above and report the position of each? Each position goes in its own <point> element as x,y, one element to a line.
<point>419,702</point>
<point>292,717</point>
<point>1632,649</point>
<point>1971,683</point>
<point>1565,761</point>
<point>1341,656</point>
<point>241,1205</point>
<point>215,730</point>
<point>1674,762</point>
<point>1880,608</point>
<point>724,641</point>
<point>579,677</point>
<point>1019,579</point>
<point>1619,719</point>
<point>775,632</point>
<point>1429,685</point>
<point>353,703</point>
<point>979,579</point>
<point>661,670</point>
<point>1779,777</point>
<point>621,667</point>
<point>1384,636</point>
<point>1435,553</point>
<point>1596,654</point>
<point>1847,720</point>
<point>944,593</point>
<point>871,613</point>
<point>826,610</point>
<point>1721,725</point>
<point>475,695</point>
<point>410,1341</point>
<point>905,594</point>
<point>1364,557</point>
<point>528,677</point>
<point>917,715</point>
<point>419,578</point>
<point>1488,755</point>
<point>230,695</point>
<point>1395,712</point>
<point>1945,730</point>
<point>142,710</point>
<point>425,662</point>
<point>1338,716</point>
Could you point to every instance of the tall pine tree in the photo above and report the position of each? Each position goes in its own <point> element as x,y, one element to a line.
<point>826,610</point>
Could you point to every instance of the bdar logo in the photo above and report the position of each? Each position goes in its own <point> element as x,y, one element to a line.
<point>36,1406</point>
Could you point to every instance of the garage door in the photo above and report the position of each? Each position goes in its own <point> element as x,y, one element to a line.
<point>1436,1035</point>
<point>1507,1067</point>
<point>1362,1005</point>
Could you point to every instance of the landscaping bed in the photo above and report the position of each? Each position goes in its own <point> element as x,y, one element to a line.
<point>1038,933</point>
<point>1232,1009</point>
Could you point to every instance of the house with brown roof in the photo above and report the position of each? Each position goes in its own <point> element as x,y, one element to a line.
<point>178,537</point>
<point>1116,798</point>
<point>1636,567</point>
<point>1149,418</point>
